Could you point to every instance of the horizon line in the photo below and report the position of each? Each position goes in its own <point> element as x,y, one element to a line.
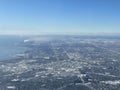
<point>61,33</point>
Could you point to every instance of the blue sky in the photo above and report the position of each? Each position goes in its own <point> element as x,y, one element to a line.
<point>59,16</point>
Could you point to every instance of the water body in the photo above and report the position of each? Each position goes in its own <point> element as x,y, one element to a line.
<point>10,46</point>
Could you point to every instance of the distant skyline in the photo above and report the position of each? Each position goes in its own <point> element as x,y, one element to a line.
<point>59,16</point>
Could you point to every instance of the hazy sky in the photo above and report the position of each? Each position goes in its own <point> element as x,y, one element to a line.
<point>59,16</point>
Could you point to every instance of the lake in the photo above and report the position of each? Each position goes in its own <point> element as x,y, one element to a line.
<point>10,46</point>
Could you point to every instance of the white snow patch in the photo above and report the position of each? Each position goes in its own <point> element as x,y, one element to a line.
<point>11,87</point>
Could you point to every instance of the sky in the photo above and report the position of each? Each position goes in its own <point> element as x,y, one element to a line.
<point>59,16</point>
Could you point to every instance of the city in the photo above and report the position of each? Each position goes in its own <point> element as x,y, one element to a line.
<point>64,63</point>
